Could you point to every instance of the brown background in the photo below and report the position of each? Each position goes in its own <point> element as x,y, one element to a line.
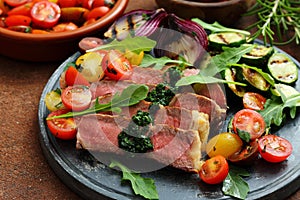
<point>24,172</point>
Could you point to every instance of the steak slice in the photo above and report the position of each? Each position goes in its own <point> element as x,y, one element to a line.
<point>192,101</point>
<point>99,132</point>
<point>176,147</point>
<point>147,75</point>
<point>172,146</point>
<point>184,119</point>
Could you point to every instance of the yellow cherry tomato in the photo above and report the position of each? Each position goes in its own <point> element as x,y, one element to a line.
<point>134,58</point>
<point>224,144</point>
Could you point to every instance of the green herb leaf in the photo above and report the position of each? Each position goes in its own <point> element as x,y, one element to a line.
<point>159,63</point>
<point>131,95</point>
<point>220,62</point>
<point>216,27</point>
<point>266,76</point>
<point>136,44</point>
<point>188,80</point>
<point>273,112</point>
<point>244,135</point>
<point>234,185</point>
<point>141,186</point>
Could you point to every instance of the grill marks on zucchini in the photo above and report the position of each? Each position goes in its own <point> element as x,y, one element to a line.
<point>228,39</point>
<point>282,68</point>
<point>258,56</point>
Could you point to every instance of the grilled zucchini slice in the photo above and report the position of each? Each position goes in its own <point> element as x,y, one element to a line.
<point>258,56</point>
<point>254,78</point>
<point>229,39</point>
<point>282,68</point>
<point>230,74</point>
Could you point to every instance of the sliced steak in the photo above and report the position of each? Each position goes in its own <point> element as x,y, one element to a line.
<point>147,76</point>
<point>176,147</point>
<point>203,104</point>
<point>99,132</point>
<point>184,119</point>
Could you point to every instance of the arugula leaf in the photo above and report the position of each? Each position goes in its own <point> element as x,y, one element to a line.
<point>131,95</point>
<point>273,112</point>
<point>220,62</point>
<point>266,76</point>
<point>141,186</point>
<point>136,44</point>
<point>188,80</point>
<point>234,185</point>
<point>159,63</point>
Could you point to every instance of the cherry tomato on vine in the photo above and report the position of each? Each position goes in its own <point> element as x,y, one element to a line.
<point>77,97</point>
<point>214,170</point>
<point>63,128</point>
<point>249,121</point>
<point>45,14</point>
<point>254,101</point>
<point>274,149</point>
<point>116,66</point>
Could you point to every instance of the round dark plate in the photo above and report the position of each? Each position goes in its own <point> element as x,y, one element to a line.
<point>93,180</point>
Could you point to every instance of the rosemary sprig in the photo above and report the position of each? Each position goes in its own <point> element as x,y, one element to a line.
<point>276,17</point>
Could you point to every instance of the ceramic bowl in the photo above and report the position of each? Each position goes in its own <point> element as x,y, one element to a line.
<point>224,12</point>
<point>54,46</point>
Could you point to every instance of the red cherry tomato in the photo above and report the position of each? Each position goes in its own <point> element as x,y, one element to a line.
<point>247,155</point>
<point>274,149</point>
<point>18,20</point>
<point>249,121</point>
<point>254,101</point>
<point>15,3</point>
<point>63,128</point>
<point>108,3</point>
<point>214,170</point>
<point>62,27</point>
<point>45,14</point>
<point>67,3</point>
<point>98,12</point>
<point>24,9</point>
<point>116,66</point>
<point>73,77</point>
<point>77,97</point>
<point>87,4</point>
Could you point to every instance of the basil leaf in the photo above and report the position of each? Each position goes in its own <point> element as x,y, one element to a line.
<point>244,135</point>
<point>234,185</point>
<point>188,80</point>
<point>136,44</point>
<point>159,63</point>
<point>141,186</point>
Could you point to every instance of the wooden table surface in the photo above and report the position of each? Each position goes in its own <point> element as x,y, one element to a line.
<point>24,172</point>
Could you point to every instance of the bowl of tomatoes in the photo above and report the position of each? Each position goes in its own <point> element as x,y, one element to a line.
<point>49,30</point>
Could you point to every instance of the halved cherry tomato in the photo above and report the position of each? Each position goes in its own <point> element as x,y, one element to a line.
<point>254,101</point>
<point>214,170</point>
<point>247,155</point>
<point>249,121</point>
<point>62,27</point>
<point>15,3</point>
<point>87,43</point>
<point>98,12</point>
<point>274,149</point>
<point>45,14</point>
<point>116,66</point>
<point>63,128</point>
<point>73,77</point>
<point>18,20</point>
<point>77,97</point>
